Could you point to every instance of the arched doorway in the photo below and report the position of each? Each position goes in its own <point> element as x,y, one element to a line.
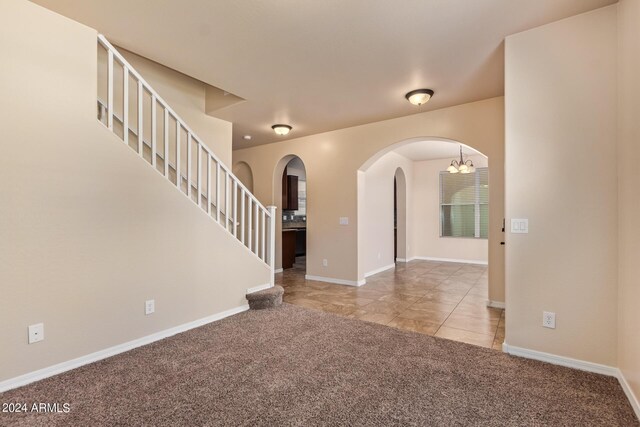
<point>434,222</point>
<point>391,170</point>
<point>243,172</point>
<point>400,216</point>
<point>290,196</point>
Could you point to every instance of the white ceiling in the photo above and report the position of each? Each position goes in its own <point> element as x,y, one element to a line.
<point>329,64</point>
<point>432,150</point>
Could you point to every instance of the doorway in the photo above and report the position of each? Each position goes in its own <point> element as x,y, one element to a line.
<point>294,215</point>
<point>399,216</point>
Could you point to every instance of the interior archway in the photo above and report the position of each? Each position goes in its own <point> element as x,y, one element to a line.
<point>430,224</point>
<point>371,160</point>
<point>396,165</point>
<point>400,216</point>
<point>290,219</point>
<point>243,172</point>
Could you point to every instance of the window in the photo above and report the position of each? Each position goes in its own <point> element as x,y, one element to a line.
<point>464,204</point>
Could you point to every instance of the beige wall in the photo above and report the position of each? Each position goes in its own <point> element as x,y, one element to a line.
<point>332,161</point>
<point>377,220</point>
<point>560,108</point>
<point>88,231</point>
<point>629,183</point>
<point>425,217</point>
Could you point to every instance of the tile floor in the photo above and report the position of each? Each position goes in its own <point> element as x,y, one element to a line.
<point>447,300</point>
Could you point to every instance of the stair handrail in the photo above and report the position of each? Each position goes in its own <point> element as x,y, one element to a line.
<point>259,244</point>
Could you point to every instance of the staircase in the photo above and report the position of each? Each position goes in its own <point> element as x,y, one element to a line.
<point>139,116</point>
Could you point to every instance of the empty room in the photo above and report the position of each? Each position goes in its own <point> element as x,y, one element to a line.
<point>363,213</point>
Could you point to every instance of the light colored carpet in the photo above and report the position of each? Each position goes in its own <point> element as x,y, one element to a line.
<point>294,366</point>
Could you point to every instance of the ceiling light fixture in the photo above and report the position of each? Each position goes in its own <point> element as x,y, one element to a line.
<point>281,129</point>
<point>461,165</point>
<point>247,137</point>
<point>419,96</point>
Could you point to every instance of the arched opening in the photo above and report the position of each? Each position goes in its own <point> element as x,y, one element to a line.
<point>423,234</point>
<point>290,196</point>
<point>399,216</point>
<point>243,172</point>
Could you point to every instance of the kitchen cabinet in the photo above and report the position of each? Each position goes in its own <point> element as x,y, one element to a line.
<point>289,192</point>
<point>288,248</point>
<point>301,242</point>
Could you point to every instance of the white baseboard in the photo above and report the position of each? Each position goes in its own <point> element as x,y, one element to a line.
<point>495,304</point>
<point>278,270</point>
<point>627,390</point>
<point>577,364</point>
<point>259,288</point>
<point>336,281</point>
<point>59,368</point>
<point>560,360</point>
<point>380,270</point>
<point>461,261</point>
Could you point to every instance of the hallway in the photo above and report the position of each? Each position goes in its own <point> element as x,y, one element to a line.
<point>446,300</point>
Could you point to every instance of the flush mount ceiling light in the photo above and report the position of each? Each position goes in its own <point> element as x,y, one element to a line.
<point>247,137</point>
<point>419,96</point>
<point>461,165</point>
<point>281,129</point>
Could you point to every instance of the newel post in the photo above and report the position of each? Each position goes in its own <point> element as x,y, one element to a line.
<point>272,243</point>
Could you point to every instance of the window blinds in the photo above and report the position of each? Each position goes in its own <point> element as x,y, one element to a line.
<point>464,204</point>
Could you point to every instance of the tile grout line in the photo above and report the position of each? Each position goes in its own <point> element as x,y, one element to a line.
<point>454,308</point>
<point>395,315</point>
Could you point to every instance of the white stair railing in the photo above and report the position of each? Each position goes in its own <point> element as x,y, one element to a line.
<point>214,188</point>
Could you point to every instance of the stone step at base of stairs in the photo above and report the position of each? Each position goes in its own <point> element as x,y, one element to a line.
<point>267,298</point>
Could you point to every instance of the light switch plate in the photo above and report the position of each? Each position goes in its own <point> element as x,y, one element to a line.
<point>520,226</point>
<point>36,333</point>
<point>344,220</point>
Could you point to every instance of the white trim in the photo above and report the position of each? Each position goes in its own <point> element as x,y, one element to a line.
<point>59,368</point>
<point>259,288</point>
<point>627,390</point>
<point>336,281</point>
<point>380,270</point>
<point>577,364</point>
<point>495,304</point>
<point>402,260</point>
<point>278,270</point>
<point>560,360</point>
<point>462,261</point>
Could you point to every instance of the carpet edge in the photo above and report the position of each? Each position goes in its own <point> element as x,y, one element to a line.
<point>635,404</point>
<point>40,374</point>
<point>582,365</point>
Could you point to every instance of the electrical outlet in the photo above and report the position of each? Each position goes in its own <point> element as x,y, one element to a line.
<point>36,333</point>
<point>325,263</point>
<point>549,319</point>
<point>149,306</point>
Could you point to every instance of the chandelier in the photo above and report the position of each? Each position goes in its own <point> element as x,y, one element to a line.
<point>461,165</point>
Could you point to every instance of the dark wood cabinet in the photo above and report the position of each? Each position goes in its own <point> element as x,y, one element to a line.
<point>288,248</point>
<point>289,192</point>
<point>301,242</point>
<point>292,196</point>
